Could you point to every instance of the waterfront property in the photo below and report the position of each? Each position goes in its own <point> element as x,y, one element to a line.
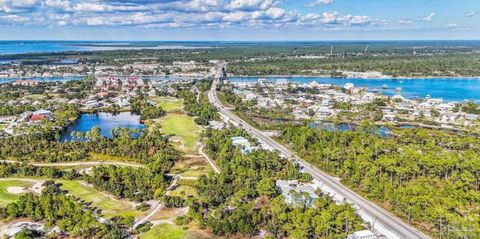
<point>450,89</point>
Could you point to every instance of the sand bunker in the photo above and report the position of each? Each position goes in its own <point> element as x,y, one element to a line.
<point>15,190</point>
<point>37,187</point>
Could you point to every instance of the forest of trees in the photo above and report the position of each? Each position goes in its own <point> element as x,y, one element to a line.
<point>408,66</point>
<point>55,208</point>
<point>243,198</point>
<point>204,111</point>
<point>28,170</point>
<point>136,184</point>
<point>429,177</point>
<point>149,147</point>
<point>146,110</point>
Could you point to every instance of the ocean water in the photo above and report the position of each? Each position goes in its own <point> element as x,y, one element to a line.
<point>449,89</point>
<point>21,47</point>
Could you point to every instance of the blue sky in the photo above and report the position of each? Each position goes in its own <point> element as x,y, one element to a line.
<point>239,19</point>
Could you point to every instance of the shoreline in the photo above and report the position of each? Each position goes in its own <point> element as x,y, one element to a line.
<point>363,78</point>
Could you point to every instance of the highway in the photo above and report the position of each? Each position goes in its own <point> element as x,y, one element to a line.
<point>384,222</point>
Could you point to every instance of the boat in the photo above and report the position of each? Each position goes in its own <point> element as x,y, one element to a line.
<point>398,89</point>
<point>384,86</point>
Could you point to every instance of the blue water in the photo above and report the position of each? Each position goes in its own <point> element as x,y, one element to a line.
<point>69,78</point>
<point>105,121</point>
<point>21,47</point>
<point>382,130</point>
<point>44,79</point>
<point>450,89</point>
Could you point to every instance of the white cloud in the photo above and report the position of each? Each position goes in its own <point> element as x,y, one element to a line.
<point>172,13</point>
<point>334,18</point>
<point>405,21</point>
<point>428,18</point>
<point>472,14</point>
<point>18,6</point>
<point>452,25</point>
<point>320,2</point>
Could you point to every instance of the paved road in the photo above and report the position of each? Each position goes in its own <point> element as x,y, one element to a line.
<point>396,228</point>
<point>214,166</point>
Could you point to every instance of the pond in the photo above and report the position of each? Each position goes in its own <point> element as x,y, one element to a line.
<point>382,130</point>
<point>105,121</point>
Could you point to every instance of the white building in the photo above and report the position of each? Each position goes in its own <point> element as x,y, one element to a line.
<point>297,193</point>
<point>365,234</point>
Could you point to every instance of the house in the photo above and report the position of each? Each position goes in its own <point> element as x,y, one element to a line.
<point>243,143</point>
<point>365,234</point>
<point>40,115</point>
<point>296,193</point>
<point>240,141</point>
<point>324,112</point>
<point>281,82</point>
<point>217,125</point>
<point>349,87</point>
<point>472,117</point>
<point>25,116</point>
<point>389,117</point>
<point>25,83</point>
<point>398,98</point>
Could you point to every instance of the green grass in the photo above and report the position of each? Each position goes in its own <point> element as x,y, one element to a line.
<point>169,104</point>
<point>5,196</point>
<point>167,231</point>
<point>191,167</point>
<point>182,126</point>
<point>184,191</point>
<point>109,205</point>
<point>2,126</point>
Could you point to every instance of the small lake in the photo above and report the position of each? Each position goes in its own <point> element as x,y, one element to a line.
<point>450,89</point>
<point>383,131</point>
<point>105,121</point>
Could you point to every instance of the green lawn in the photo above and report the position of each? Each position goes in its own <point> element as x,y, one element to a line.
<point>109,205</point>
<point>184,191</point>
<point>169,104</point>
<point>183,127</point>
<point>167,231</point>
<point>191,167</point>
<point>5,196</point>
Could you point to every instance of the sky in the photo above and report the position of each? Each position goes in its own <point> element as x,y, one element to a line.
<point>239,20</point>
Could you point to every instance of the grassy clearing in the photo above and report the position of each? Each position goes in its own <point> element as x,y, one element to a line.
<point>167,231</point>
<point>184,128</point>
<point>35,97</point>
<point>191,167</point>
<point>169,104</point>
<point>184,191</point>
<point>5,196</point>
<point>109,205</point>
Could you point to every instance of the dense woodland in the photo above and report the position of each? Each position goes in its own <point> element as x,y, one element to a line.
<point>28,170</point>
<point>55,208</point>
<point>126,182</point>
<point>200,106</point>
<point>243,198</point>
<point>407,66</point>
<point>429,177</point>
<point>146,110</point>
<point>150,147</point>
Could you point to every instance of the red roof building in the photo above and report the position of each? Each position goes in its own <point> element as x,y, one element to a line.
<point>25,82</point>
